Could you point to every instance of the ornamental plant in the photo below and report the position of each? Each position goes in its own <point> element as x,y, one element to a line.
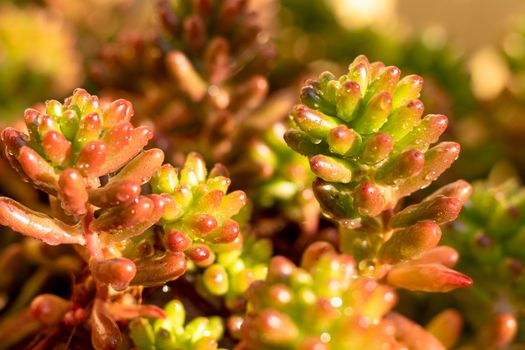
<point>138,224</point>
<point>201,78</point>
<point>89,159</point>
<point>324,304</point>
<point>369,147</point>
<point>176,207</point>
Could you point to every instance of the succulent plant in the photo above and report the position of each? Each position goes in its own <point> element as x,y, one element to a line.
<point>369,148</point>
<point>317,237</point>
<point>324,304</point>
<point>488,234</point>
<point>68,148</point>
<point>200,221</point>
<point>201,333</point>
<point>87,156</point>
<point>198,214</point>
<point>363,132</point>
<point>199,78</point>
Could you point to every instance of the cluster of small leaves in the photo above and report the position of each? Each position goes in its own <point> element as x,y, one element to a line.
<point>369,147</point>
<point>201,333</point>
<point>324,305</point>
<point>365,139</point>
<point>68,149</point>
<point>197,219</point>
<point>87,156</point>
<point>238,266</point>
<point>489,234</point>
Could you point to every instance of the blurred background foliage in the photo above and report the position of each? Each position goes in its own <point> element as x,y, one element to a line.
<point>470,53</point>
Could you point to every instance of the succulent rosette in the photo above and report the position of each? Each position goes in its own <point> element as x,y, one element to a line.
<point>324,304</point>
<point>89,159</point>
<point>200,220</point>
<point>198,216</point>
<point>369,147</point>
<point>68,149</point>
<point>366,140</point>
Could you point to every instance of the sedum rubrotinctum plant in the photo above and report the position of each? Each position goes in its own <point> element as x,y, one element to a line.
<point>489,234</point>
<point>325,304</point>
<point>369,147</point>
<point>140,224</point>
<point>201,78</point>
<point>201,333</point>
<point>87,156</point>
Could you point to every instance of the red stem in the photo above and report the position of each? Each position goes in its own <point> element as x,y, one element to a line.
<point>92,240</point>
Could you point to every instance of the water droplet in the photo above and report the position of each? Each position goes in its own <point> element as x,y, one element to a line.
<point>336,301</point>
<point>430,176</point>
<point>325,337</point>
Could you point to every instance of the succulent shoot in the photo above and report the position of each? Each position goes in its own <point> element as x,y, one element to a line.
<point>68,149</point>
<point>201,333</point>
<point>369,147</point>
<point>198,215</point>
<point>324,304</point>
<point>89,159</point>
<point>366,139</point>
